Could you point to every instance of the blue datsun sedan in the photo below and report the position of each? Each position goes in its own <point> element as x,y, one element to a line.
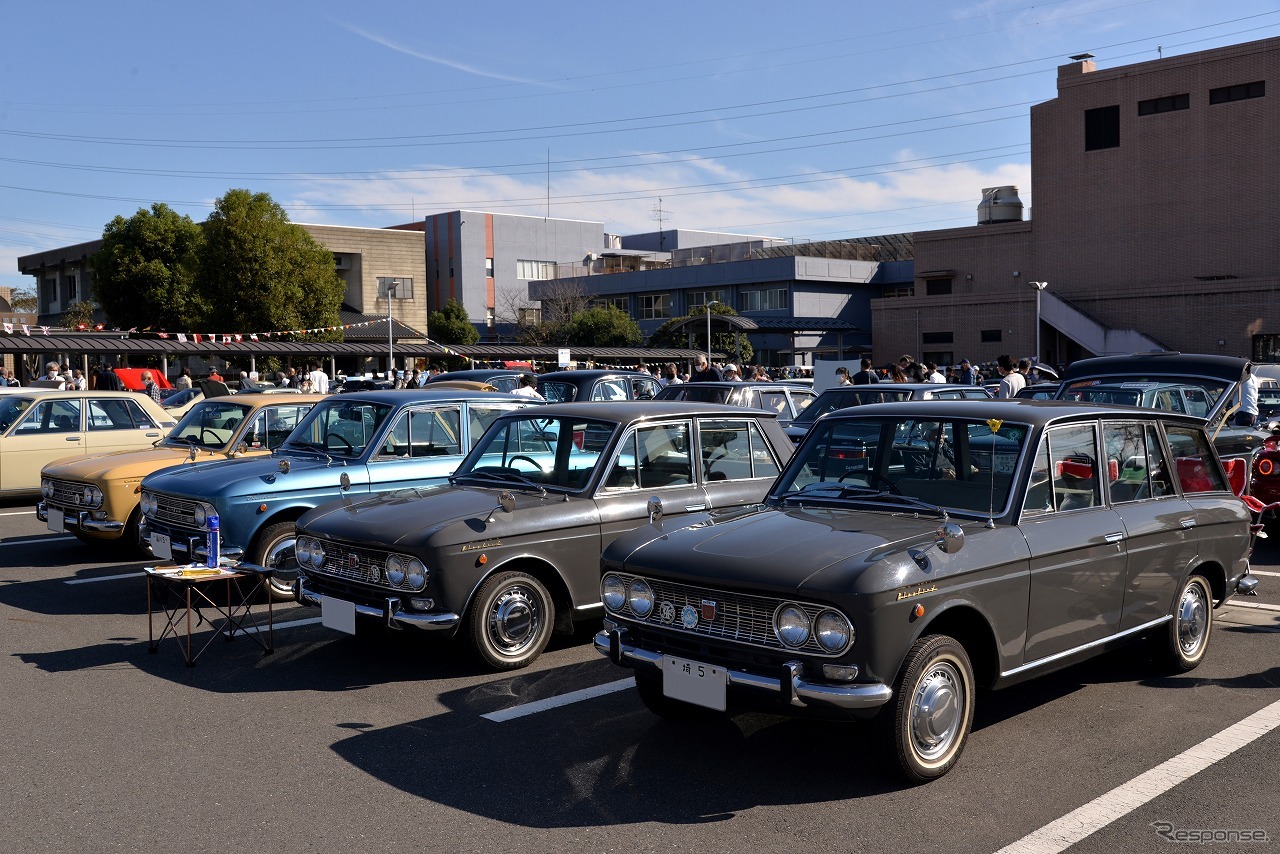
<point>351,444</point>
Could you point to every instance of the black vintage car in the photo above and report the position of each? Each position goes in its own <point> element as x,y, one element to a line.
<point>788,400</point>
<point>597,384</point>
<point>912,553</point>
<point>509,549</point>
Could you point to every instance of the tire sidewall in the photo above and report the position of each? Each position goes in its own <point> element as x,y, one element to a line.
<point>923,657</point>
<point>490,591</point>
<point>1175,653</point>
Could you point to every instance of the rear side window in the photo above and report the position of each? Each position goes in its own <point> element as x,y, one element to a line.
<point>1136,466</point>
<point>116,414</point>
<point>1065,471</point>
<point>734,449</point>
<point>1194,462</point>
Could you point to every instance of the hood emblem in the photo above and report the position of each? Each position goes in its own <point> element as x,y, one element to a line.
<point>667,612</point>
<point>708,611</point>
<point>353,563</point>
<point>689,617</point>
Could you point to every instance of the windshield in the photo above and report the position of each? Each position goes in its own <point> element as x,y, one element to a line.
<point>209,424</point>
<point>561,451</point>
<point>1194,395</point>
<point>833,399</point>
<point>957,464</point>
<point>340,428</point>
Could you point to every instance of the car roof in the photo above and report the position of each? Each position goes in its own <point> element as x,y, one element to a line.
<point>396,397</point>
<point>258,398</point>
<point>1229,368</point>
<point>631,410</point>
<point>593,373</point>
<point>1016,410</point>
<point>477,373</point>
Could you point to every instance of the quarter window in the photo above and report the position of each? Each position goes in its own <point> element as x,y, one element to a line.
<point>653,456</point>
<point>735,450</point>
<point>1064,475</point>
<point>1197,468</point>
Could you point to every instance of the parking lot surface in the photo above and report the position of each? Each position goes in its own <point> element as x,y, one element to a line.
<point>390,741</point>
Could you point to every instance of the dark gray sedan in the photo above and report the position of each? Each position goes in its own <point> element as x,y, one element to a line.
<point>509,549</point>
<point>912,553</point>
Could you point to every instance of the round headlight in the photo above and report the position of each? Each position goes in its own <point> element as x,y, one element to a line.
<point>201,515</point>
<point>612,592</point>
<point>833,630</point>
<point>417,573</point>
<point>46,487</point>
<point>640,597</point>
<point>317,554</point>
<point>791,625</point>
<point>395,570</point>
<point>302,550</point>
<point>92,496</point>
<point>146,504</point>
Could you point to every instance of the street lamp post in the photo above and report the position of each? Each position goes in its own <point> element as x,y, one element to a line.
<point>709,304</point>
<point>391,356</point>
<point>1039,286</point>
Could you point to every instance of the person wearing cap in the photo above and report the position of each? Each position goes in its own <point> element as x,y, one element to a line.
<point>731,373</point>
<point>528,387</point>
<point>968,374</point>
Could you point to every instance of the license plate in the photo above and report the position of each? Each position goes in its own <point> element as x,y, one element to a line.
<point>56,522</point>
<point>160,546</point>
<point>694,682</point>
<point>338,614</point>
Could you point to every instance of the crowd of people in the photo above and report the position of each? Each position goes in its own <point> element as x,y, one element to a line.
<point>1014,375</point>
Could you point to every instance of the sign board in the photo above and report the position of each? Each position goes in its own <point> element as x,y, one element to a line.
<point>565,361</point>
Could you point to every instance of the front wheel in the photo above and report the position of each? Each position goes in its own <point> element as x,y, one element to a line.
<point>274,549</point>
<point>1181,645</point>
<point>510,621</point>
<point>927,723</point>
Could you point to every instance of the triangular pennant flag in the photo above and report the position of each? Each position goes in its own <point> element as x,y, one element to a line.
<point>182,336</point>
<point>8,327</point>
<point>26,330</point>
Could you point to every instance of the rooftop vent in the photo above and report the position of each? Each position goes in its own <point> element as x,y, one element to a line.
<point>999,204</point>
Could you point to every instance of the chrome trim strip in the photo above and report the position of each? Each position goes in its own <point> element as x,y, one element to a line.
<point>1040,662</point>
<point>798,691</point>
<point>389,615</point>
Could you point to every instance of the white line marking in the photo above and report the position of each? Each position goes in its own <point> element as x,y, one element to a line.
<point>1261,606</point>
<point>309,621</point>
<point>31,512</point>
<point>32,540</point>
<point>103,578</point>
<point>562,700</point>
<point>1059,835</point>
<point>1264,572</point>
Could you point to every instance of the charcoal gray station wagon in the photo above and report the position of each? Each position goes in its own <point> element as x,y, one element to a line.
<point>509,549</point>
<point>911,553</point>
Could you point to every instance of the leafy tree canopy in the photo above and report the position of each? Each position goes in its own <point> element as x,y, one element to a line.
<point>451,326</point>
<point>144,274</point>
<point>736,344</point>
<point>604,326</point>
<point>260,271</point>
<point>24,299</point>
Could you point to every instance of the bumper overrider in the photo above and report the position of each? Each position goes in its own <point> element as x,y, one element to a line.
<point>789,688</point>
<point>80,520</point>
<point>389,613</point>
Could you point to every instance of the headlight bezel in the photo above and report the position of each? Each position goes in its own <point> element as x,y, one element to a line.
<point>613,592</point>
<point>414,568</point>
<point>394,570</point>
<point>637,589</point>
<point>846,627</point>
<point>792,625</point>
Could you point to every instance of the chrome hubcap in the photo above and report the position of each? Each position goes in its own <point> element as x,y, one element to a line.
<point>514,620</point>
<point>283,560</point>
<point>937,711</point>
<point>1193,619</point>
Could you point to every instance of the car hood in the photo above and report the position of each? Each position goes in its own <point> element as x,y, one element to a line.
<point>124,465</point>
<point>244,476</point>
<point>769,548</point>
<point>444,514</point>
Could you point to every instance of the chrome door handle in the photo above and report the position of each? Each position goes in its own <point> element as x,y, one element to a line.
<point>1187,524</point>
<point>1115,537</point>
<point>72,439</point>
<point>694,508</point>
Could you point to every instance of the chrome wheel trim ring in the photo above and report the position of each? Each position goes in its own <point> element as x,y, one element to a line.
<point>937,711</point>
<point>1193,619</point>
<point>514,620</point>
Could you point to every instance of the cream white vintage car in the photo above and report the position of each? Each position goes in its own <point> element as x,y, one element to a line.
<point>40,426</point>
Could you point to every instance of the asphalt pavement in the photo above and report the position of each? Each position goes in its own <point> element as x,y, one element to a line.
<point>391,741</point>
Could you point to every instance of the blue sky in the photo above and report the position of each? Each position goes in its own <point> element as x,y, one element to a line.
<point>808,120</point>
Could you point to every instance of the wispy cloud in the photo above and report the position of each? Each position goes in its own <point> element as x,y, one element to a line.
<point>439,60</point>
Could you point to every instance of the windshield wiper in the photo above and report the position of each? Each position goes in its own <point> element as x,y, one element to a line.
<point>502,477</point>
<point>828,490</point>
<point>909,500</point>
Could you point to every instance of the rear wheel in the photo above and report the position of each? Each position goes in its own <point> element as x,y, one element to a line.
<point>510,621</point>
<point>927,723</point>
<point>1182,644</point>
<point>273,548</point>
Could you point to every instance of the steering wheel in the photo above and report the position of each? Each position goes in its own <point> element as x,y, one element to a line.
<point>528,460</point>
<point>209,430</point>
<point>341,438</point>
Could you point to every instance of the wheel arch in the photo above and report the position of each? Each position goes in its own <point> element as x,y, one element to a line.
<point>972,630</point>
<point>547,574</point>
<point>1215,573</point>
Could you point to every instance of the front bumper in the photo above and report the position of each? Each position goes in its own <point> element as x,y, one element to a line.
<point>790,688</point>
<point>81,520</point>
<point>391,613</point>
<point>191,548</point>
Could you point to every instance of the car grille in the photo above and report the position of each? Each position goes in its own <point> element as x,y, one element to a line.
<point>357,564</point>
<point>739,617</point>
<point>178,512</point>
<point>66,493</point>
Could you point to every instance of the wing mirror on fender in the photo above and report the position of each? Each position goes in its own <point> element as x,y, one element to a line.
<point>654,509</point>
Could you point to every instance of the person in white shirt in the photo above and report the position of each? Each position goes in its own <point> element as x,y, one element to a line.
<point>932,374</point>
<point>1011,382</point>
<point>670,377</point>
<point>528,388</point>
<point>319,380</point>
<point>730,372</point>
<point>1247,414</point>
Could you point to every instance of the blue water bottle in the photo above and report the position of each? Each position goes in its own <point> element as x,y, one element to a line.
<point>211,547</point>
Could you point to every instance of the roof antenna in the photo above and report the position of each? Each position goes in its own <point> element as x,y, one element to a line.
<point>994,424</point>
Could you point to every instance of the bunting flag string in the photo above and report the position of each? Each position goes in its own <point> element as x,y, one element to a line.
<point>219,337</point>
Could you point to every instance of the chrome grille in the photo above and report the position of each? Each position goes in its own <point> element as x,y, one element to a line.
<point>179,512</point>
<point>740,617</point>
<point>355,563</point>
<point>66,493</point>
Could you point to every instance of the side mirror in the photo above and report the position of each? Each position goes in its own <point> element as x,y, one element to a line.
<point>283,466</point>
<point>506,503</point>
<point>654,509</point>
<point>344,480</point>
<point>192,455</point>
<point>241,450</point>
<point>950,538</point>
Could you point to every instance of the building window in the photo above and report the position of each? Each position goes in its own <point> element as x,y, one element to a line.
<point>936,338</point>
<point>764,299</point>
<point>1239,92</point>
<point>992,335</point>
<point>939,357</point>
<point>403,287</point>
<point>654,306</point>
<point>621,303</point>
<point>698,299</point>
<point>73,289</point>
<point>1102,128</point>
<point>535,270</point>
<point>528,316</point>
<point>1164,105</point>
<point>937,287</point>
<point>900,291</point>
<point>488,268</point>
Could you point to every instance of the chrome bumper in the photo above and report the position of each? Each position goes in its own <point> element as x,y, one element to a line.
<point>195,548</point>
<point>391,614</point>
<point>792,688</point>
<point>1247,584</point>
<point>80,519</point>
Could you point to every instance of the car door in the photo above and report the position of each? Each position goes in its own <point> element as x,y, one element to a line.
<point>651,460</point>
<point>118,424</point>
<point>1077,543</point>
<point>738,464</point>
<point>48,430</point>
<point>1214,518</point>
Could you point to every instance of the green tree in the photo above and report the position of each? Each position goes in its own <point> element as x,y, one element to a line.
<point>604,326</point>
<point>260,272</point>
<point>144,274</point>
<point>79,313</point>
<point>24,299</point>
<point>736,344</point>
<point>451,326</point>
